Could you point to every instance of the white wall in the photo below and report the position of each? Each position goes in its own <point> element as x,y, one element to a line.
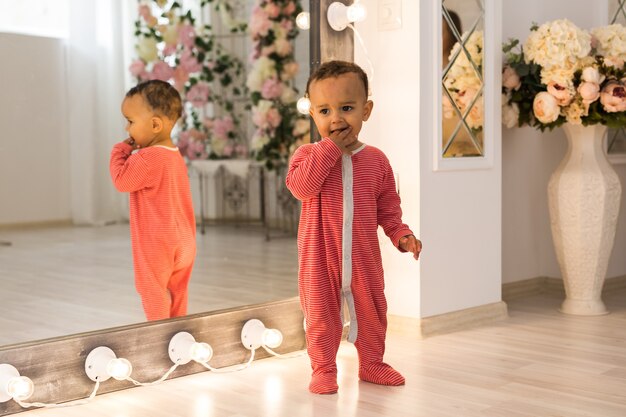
<point>394,128</point>
<point>529,157</point>
<point>34,172</point>
<point>456,214</point>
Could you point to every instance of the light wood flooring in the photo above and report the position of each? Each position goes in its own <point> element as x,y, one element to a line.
<point>64,280</point>
<point>537,363</point>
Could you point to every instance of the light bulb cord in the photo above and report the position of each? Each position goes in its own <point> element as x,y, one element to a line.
<point>227,370</point>
<point>281,356</point>
<point>367,55</point>
<point>163,378</point>
<point>68,404</point>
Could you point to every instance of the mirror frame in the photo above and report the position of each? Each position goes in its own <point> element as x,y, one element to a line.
<point>61,360</point>
<point>491,78</point>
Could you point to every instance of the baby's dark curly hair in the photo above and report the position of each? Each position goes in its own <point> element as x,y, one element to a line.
<point>333,69</point>
<point>161,97</point>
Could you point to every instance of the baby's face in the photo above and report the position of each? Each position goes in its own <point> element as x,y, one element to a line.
<point>140,123</point>
<point>339,102</point>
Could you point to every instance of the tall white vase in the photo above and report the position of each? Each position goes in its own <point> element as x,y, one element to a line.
<point>584,198</point>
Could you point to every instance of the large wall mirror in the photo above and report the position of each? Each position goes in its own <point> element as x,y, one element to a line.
<point>462,79</point>
<point>60,279</point>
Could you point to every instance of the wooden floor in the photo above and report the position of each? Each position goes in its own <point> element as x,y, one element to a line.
<point>57,281</point>
<point>537,363</point>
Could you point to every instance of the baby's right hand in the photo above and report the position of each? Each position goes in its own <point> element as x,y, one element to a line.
<point>131,142</point>
<point>343,138</point>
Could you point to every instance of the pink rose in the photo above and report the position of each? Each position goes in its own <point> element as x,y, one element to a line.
<point>189,62</point>
<point>259,22</point>
<point>510,78</point>
<point>181,76</point>
<point>138,68</point>
<point>273,117</point>
<point>196,150</point>
<point>272,88</point>
<point>272,10</point>
<point>162,71</point>
<point>198,94</point>
<point>590,92</point>
<point>613,97</point>
<point>563,95</point>
<point>289,8</point>
<point>545,107</point>
<point>286,25</point>
<point>222,127</point>
<point>187,35</point>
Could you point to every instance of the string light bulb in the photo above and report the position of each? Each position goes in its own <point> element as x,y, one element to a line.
<point>13,386</point>
<point>254,334</point>
<point>303,20</point>
<point>102,364</point>
<point>340,16</point>
<point>303,105</point>
<point>183,348</point>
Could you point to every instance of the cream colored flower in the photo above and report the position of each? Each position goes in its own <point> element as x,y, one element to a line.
<point>510,114</point>
<point>147,49</point>
<point>562,93</point>
<point>262,69</point>
<point>557,44</point>
<point>545,107</point>
<point>575,112</point>
<point>611,43</point>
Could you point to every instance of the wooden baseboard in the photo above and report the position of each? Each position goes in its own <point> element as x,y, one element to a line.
<point>538,285</point>
<point>462,319</point>
<point>449,322</point>
<point>57,366</point>
<point>35,225</point>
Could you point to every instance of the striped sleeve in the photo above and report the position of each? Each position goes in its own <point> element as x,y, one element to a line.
<point>389,212</point>
<point>128,172</point>
<point>309,168</point>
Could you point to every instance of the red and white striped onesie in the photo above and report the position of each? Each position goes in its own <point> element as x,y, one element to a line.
<point>162,225</point>
<point>344,200</point>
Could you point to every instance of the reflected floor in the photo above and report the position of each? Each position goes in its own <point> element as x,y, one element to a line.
<point>63,280</point>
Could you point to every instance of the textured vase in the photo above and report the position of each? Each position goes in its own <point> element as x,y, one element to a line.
<point>584,198</point>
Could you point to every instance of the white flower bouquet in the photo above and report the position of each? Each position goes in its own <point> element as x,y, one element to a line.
<point>565,74</point>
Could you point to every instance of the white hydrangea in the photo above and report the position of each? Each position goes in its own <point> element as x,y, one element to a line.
<point>262,69</point>
<point>147,49</point>
<point>462,75</point>
<point>558,43</point>
<point>611,42</point>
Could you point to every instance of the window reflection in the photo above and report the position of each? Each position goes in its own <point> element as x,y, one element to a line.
<point>462,78</point>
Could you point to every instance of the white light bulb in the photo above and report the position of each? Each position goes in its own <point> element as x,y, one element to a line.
<point>356,13</point>
<point>119,368</point>
<point>183,348</point>
<point>272,338</point>
<point>102,364</point>
<point>340,16</point>
<point>254,334</point>
<point>12,385</point>
<point>20,388</point>
<point>303,20</point>
<point>303,105</point>
<point>201,352</point>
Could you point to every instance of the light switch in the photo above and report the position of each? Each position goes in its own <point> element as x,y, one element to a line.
<point>389,14</point>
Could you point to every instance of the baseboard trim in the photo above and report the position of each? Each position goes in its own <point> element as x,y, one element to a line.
<point>449,322</point>
<point>538,285</point>
<point>36,224</point>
